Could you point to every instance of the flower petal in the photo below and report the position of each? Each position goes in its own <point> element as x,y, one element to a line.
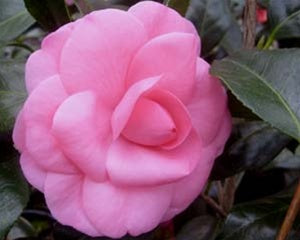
<point>43,63</point>
<point>82,128</point>
<point>124,109</point>
<point>38,114</point>
<point>187,189</point>
<point>159,19</point>
<point>149,124</point>
<point>208,103</point>
<point>125,208</point>
<point>33,173</point>
<point>177,111</point>
<point>135,165</point>
<point>108,49</point>
<point>19,132</point>
<point>64,198</point>
<point>171,55</point>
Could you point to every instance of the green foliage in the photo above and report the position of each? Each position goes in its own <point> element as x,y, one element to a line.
<point>264,98</point>
<point>200,228</point>
<point>284,18</point>
<point>212,18</point>
<point>180,6</point>
<point>50,14</point>
<point>252,145</point>
<point>14,194</point>
<point>258,220</point>
<point>12,91</point>
<point>286,159</point>
<point>14,20</point>
<point>268,83</point>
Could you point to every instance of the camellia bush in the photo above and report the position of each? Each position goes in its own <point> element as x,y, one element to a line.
<point>150,120</point>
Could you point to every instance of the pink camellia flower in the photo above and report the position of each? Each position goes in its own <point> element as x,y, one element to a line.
<point>123,121</point>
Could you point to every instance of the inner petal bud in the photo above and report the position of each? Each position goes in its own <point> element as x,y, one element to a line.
<point>149,124</point>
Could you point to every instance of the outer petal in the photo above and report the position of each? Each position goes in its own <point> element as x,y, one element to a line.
<point>44,63</point>
<point>208,103</point>
<point>64,198</point>
<point>159,19</point>
<point>187,189</point>
<point>115,211</point>
<point>171,55</point>
<point>33,173</point>
<point>38,113</point>
<point>135,165</point>
<point>40,66</point>
<point>108,49</point>
<point>82,128</point>
<point>19,132</point>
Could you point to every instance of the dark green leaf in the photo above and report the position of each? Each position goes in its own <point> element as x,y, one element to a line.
<point>239,110</point>
<point>212,18</point>
<point>14,19</point>
<point>15,25</point>
<point>50,14</point>
<point>268,83</point>
<point>14,194</point>
<point>233,39</point>
<point>9,8</point>
<point>21,229</point>
<point>180,6</point>
<point>200,228</point>
<point>258,220</point>
<point>252,146</point>
<point>12,91</point>
<point>286,159</point>
<point>284,18</point>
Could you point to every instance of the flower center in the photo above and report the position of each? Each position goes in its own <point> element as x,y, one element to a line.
<point>149,124</point>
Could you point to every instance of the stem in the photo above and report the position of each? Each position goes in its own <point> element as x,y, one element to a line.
<point>214,205</point>
<point>83,6</point>
<point>290,215</point>
<point>272,36</point>
<point>229,193</point>
<point>220,193</point>
<point>249,24</point>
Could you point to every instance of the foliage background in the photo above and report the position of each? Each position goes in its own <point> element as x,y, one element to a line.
<point>252,183</point>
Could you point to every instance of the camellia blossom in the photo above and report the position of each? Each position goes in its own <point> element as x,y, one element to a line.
<point>123,120</point>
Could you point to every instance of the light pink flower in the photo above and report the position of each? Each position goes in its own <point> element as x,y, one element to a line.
<point>123,121</point>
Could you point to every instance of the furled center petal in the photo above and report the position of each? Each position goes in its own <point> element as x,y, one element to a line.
<point>149,124</point>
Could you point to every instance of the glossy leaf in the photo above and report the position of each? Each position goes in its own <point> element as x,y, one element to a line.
<point>15,25</point>
<point>14,194</point>
<point>9,8</point>
<point>180,6</point>
<point>258,220</point>
<point>199,228</point>
<point>14,19</point>
<point>284,18</point>
<point>50,14</point>
<point>21,229</point>
<point>212,18</point>
<point>268,83</point>
<point>233,39</point>
<point>286,159</point>
<point>12,91</point>
<point>252,145</point>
